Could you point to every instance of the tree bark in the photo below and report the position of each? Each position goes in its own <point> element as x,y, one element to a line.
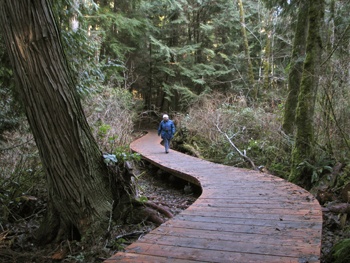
<point>304,141</point>
<point>266,61</point>
<point>81,188</point>
<point>246,51</point>
<point>296,67</point>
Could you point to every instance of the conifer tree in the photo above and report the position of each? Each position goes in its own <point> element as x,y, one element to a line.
<point>303,150</point>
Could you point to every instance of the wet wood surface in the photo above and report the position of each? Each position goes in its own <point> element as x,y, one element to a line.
<point>241,216</point>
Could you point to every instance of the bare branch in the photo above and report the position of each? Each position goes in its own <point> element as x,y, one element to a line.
<point>243,155</point>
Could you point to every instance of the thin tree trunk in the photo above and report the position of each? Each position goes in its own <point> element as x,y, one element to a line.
<point>148,93</point>
<point>296,68</point>
<point>304,141</point>
<point>246,50</point>
<point>266,61</point>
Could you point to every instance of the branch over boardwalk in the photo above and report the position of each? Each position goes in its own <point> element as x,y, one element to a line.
<point>241,216</point>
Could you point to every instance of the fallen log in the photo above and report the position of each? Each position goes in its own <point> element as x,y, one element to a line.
<point>337,208</point>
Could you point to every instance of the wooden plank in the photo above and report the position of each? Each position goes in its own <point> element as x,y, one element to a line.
<point>247,215</point>
<point>139,258</point>
<point>206,255</point>
<point>251,203</point>
<point>306,232</point>
<point>242,246</point>
<point>225,211</point>
<point>259,237</point>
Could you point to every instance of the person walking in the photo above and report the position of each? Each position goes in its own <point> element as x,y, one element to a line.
<point>166,130</point>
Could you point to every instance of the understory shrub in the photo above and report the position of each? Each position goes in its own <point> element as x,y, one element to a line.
<point>21,176</point>
<point>221,121</point>
<point>110,115</point>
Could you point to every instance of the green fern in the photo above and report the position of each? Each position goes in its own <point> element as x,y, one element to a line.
<point>340,251</point>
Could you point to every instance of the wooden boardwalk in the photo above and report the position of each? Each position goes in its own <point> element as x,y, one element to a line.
<point>241,216</point>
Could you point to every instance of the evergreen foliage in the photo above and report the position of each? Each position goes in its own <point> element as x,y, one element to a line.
<point>340,251</point>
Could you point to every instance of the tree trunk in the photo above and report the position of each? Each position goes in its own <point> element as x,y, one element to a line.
<point>246,51</point>
<point>266,61</point>
<point>296,68</point>
<point>304,141</point>
<point>81,188</point>
<point>147,94</point>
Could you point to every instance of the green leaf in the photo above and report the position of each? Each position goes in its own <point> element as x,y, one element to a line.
<point>142,199</point>
<point>328,168</point>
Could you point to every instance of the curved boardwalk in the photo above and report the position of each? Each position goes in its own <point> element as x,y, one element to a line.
<point>241,216</point>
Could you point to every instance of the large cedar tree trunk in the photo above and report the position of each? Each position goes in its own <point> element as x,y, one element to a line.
<point>82,189</point>
<point>304,140</point>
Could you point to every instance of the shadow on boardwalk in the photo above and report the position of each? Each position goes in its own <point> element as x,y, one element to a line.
<point>241,216</point>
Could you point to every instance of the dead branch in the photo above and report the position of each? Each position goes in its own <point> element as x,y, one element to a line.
<point>338,208</point>
<point>243,155</point>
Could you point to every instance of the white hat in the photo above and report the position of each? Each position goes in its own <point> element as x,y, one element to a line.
<point>165,116</point>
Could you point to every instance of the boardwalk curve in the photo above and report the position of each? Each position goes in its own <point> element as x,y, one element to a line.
<point>241,216</point>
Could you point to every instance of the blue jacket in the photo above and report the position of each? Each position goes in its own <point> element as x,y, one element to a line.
<point>166,129</point>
